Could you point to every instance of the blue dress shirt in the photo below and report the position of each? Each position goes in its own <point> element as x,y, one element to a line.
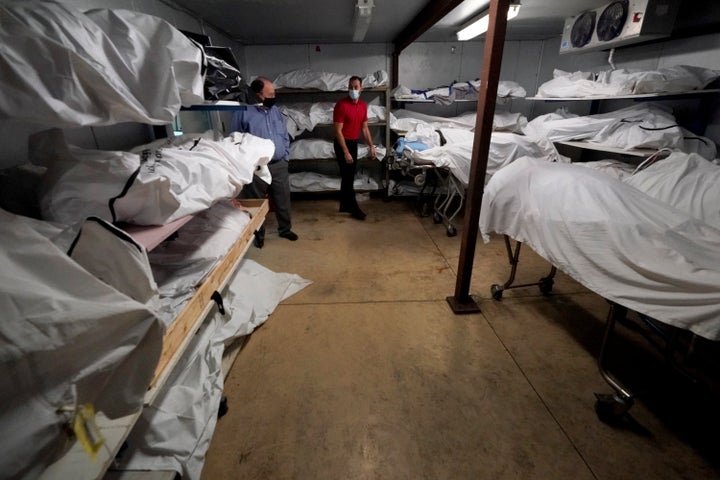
<point>266,123</point>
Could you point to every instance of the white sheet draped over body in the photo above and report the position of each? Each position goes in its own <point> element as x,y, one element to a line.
<point>609,236</point>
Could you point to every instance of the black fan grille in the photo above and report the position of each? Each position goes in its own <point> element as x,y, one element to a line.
<point>582,29</point>
<point>612,20</point>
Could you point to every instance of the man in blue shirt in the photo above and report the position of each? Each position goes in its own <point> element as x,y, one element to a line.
<point>265,120</point>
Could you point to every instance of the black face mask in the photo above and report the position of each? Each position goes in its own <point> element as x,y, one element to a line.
<point>268,102</point>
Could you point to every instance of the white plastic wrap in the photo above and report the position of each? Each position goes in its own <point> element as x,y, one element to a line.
<point>66,339</point>
<point>151,185</point>
<point>645,125</point>
<point>300,117</point>
<point>174,432</point>
<point>66,68</point>
<point>317,182</point>
<point>458,91</point>
<point>402,120</point>
<point>327,81</point>
<point>504,148</point>
<point>612,238</point>
<point>679,78</point>
<point>317,148</point>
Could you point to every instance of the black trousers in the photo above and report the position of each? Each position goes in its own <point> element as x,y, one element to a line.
<point>278,191</point>
<point>347,175</point>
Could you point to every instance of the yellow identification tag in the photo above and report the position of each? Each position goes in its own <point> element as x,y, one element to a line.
<point>87,431</point>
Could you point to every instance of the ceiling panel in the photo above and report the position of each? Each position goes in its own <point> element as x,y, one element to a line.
<point>267,22</point>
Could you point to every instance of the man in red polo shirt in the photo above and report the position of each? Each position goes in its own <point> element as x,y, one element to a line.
<point>349,118</point>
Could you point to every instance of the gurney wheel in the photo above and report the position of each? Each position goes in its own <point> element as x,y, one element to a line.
<point>437,218</point>
<point>496,291</point>
<point>611,408</point>
<point>546,286</point>
<point>451,231</point>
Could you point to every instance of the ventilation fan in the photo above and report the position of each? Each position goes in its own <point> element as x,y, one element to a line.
<point>582,29</point>
<point>617,23</point>
<point>612,20</point>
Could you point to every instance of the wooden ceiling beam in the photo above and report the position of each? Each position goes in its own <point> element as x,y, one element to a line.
<point>423,21</point>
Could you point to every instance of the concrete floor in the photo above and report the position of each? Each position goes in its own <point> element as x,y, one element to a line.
<point>367,374</point>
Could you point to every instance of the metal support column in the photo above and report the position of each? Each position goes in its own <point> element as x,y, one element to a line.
<point>461,302</point>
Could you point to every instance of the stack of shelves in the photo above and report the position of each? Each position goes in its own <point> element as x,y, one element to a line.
<point>327,166</point>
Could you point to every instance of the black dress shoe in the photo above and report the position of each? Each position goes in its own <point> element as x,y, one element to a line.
<point>259,241</point>
<point>358,214</point>
<point>290,235</point>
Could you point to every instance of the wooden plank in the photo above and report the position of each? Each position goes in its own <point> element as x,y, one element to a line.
<point>432,13</point>
<point>179,334</point>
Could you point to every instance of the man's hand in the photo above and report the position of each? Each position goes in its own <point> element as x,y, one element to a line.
<point>348,157</point>
<point>373,153</point>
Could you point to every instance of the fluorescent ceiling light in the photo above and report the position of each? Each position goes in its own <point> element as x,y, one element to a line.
<point>361,19</point>
<point>480,24</point>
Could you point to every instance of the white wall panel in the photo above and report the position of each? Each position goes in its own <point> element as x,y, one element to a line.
<point>428,65</point>
<point>272,60</point>
<point>351,59</point>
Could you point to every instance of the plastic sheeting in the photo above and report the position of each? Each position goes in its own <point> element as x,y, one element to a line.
<point>327,81</point>
<point>645,125</point>
<point>67,68</point>
<point>181,263</point>
<point>66,338</point>
<point>300,117</point>
<point>153,184</point>
<point>680,78</point>
<point>317,182</point>
<point>612,238</point>
<point>317,148</point>
<point>174,432</point>
<point>458,91</point>
<point>504,148</point>
<point>405,120</point>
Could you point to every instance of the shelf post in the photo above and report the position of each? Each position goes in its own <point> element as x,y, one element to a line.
<point>461,302</point>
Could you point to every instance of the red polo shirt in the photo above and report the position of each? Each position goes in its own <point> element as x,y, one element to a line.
<point>351,115</point>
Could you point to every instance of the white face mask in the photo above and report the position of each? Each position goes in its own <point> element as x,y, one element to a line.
<point>354,94</point>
